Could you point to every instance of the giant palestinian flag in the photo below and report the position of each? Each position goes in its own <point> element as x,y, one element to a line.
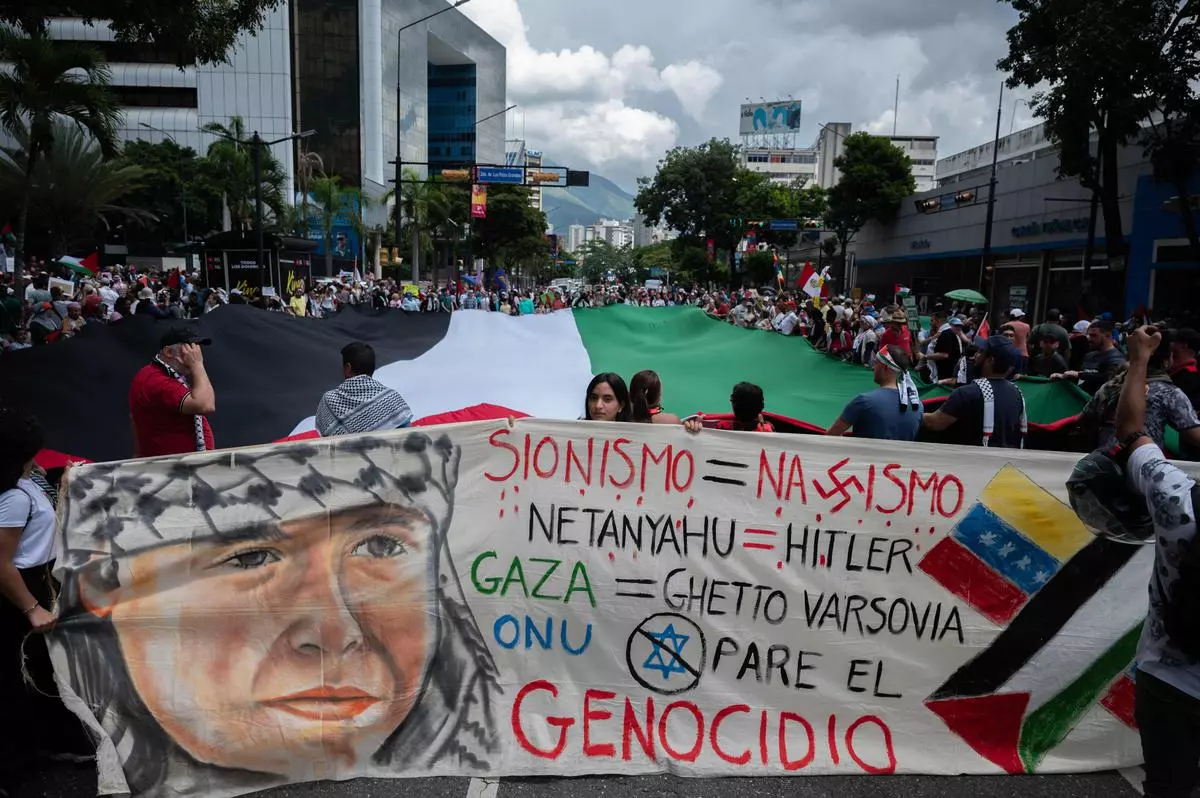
<point>269,370</point>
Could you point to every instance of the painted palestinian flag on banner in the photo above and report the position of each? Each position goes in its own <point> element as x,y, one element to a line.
<point>269,370</point>
<point>1023,560</point>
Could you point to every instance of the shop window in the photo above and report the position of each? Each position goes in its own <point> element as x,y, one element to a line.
<point>1174,293</point>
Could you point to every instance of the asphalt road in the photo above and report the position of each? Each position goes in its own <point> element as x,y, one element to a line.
<point>72,781</point>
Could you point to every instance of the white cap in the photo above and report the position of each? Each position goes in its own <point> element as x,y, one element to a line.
<point>1016,313</point>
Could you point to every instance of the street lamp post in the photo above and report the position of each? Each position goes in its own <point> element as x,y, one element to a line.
<point>256,142</point>
<point>182,182</point>
<point>416,273</point>
<point>991,204</point>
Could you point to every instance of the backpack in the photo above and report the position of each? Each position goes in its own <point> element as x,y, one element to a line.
<point>1181,606</point>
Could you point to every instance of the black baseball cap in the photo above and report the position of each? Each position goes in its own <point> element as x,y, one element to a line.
<point>182,335</point>
<point>1001,350</point>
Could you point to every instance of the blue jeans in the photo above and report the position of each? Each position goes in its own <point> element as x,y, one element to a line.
<point>1169,720</point>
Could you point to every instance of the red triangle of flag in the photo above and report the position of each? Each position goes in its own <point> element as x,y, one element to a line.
<point>92,263</point>
<point>985,330</point>
<point>990,724</point>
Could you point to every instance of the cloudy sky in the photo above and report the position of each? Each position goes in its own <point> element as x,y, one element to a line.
<point>610,85</point>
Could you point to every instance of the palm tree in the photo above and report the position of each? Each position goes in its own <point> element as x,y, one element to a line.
<point>334,201</point>
<point>74,188</point>
<point>46,80</point>
<point>230,164</point>
<point>308,166</point>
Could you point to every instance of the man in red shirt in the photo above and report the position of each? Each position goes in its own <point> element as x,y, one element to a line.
<point>1016,318</point>
<point>897,333</point>
<point>169,399</point>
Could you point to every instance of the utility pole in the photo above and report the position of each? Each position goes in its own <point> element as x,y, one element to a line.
<point>256,143</point>
<point>991,205</point>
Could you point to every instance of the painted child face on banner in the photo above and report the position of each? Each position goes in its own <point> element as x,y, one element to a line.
<point>272,610</point>
<point>301,642</point>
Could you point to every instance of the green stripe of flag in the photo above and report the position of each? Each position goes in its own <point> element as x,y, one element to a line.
<point>1050,724</point>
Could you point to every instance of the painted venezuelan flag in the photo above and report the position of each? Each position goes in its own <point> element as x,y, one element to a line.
<point>1007,547</point>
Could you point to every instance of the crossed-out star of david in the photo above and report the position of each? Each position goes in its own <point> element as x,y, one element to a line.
<point>673,643</point>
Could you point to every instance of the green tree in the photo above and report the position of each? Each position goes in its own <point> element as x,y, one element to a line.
<point>448,212</point>
<point>876,179</point>
<point>73,190</point>
<point>696,192</point>
<point>192,30</point>
<point>172,177</point>
<point>229,165</point>
<point>760,266</point>
<point>507,233</point>
<point>1102,69</point>
<point>309,167</point>
<point>660,256</point>
<point>333,201</point>
<point>598,257</point>
<point>46,80</point>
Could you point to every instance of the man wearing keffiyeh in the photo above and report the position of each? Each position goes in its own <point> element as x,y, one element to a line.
<point>361,403</point>
<point>892,411</point>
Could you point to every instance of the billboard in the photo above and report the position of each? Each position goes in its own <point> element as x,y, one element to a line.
<point>776,117</point>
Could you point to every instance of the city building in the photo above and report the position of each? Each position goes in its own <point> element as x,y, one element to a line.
<point>331,68</point>
<point>922,151</point>
<point>533,160</point>
<point>1015,148</point>
<point>815,165</point>
<point>1039,237</point>
<point>576,237</point>
<point>256,84</point>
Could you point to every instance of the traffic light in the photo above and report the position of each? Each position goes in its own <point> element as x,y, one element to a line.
<point>456,175</point>
<point>812,224</point>
<point>964,197</point>
<point>928,205</point>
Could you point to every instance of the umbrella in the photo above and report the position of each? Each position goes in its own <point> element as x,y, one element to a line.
<point>967,295</point>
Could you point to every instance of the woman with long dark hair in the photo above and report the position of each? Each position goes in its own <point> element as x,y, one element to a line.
<point>645,400</point>
<point>607,399</point>
<point>39,724</point>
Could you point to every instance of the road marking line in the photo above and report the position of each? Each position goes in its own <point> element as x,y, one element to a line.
<point>483,788</point>
<point>1136,777</point>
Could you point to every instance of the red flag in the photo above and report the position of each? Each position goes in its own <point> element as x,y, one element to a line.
<point>806,275</point>
<point>984,331</point>
<point>173,279</point>
<point>91,262</point>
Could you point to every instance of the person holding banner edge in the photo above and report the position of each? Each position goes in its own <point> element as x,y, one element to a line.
<point>1130,493</point>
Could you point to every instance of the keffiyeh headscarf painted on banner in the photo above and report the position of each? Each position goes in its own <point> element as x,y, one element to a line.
<point>350,532</point>
<point>910,398</point>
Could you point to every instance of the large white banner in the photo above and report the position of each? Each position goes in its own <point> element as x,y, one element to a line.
<point>578,598</point>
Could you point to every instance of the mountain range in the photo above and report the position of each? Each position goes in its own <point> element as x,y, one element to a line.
<point>602,198</point>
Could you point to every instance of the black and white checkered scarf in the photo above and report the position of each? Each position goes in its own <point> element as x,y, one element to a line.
<point>361,404</point>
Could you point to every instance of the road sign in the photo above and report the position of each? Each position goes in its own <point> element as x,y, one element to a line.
<point>508,175</point>
<point>784,225</point>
